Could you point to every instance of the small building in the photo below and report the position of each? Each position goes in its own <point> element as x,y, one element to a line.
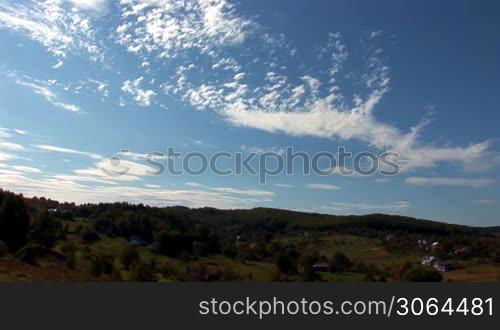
<point>463,252</point>
<point>321,267</point>
<point>155,247</point>
<point>422,243</point>
<point>242,238</point>
<point>435,246</point>
<point>428,260</point>
<point>444,266</point>
<point>136,241</point>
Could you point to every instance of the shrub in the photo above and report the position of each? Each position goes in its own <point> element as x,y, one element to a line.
<point>70,259</point>
<point>46,230</point>
<point>285,265</point>
<point>422,275</point>
<point>3,249</point>
<point>68,247</point>
<point>14,222</point>
<point>197,272</point>
<point>90,236</point>
<point>340,263</point>
<point>96,266</point>
<point>129,257</point>
<point>142,273</point>
<point>29,254</point>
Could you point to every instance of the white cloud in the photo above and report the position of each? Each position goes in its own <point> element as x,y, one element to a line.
<point>376,34</point>
<point>90,4</point>
<point>68,189</point>
<point>55,25</point>
<point>165,26</point>
<point>261,150</point>
<point>9,146</point>
<point>448,182</point>
<point>42,88</point>
<point>142,156</point>
<point>317,106</point>
<point>141,96</point>
<point>5,133</point>
<point>125,166</point>
<point>26,169</point>
<point>283,185</point>
<point>235,191</point>
<point>484,201</point>
<point>194,184</point>
<point>239,76</point>
<point>399,206</point>
<point>20,131</point>
<point>320,186</point>
<point>102,87</point>
<point>252,193</point>
<point>58,65</point>
<point>5,156</point>
<point>52,148</point>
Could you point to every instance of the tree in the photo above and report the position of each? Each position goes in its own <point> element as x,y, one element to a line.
<point>421,274</point>
<point>308,274</point>
<point>90,236</point>
<point>29,254</point>
<point>14,222</point>
<point>142,273</point>
<point>3,249</point>
<point>46,230</point>
<point>129,257</point>
<point>172,243</point>
<point>96,267</point>
<point>71,260</point>
<point>285,265</point>
<point>340,263</point>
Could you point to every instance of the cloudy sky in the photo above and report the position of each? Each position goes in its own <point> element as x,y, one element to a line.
<point>81,80</point>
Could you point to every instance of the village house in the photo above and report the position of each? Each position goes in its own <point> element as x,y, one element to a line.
<point>462,252</point>
<point>320,267</point>
<point>136,241</point>
<point>444,266</point>
<point>428,260</point>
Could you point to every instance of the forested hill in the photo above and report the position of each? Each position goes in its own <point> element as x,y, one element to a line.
<point>44,240</point>
<point>277,218</point>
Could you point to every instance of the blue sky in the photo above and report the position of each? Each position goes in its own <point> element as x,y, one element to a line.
<point>83,79</point>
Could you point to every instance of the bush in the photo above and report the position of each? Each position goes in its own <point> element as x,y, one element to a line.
<point>29,254</point>
<point>117,273</point>
<point>285,264</point>
<point>308,274</point>
<point>68,247</point>
<point>422,275</point>
<point>96,267</point>
<point>90,236</point>
<point>3,249</point>
<point>14,221</point>
<point>70,260</point>
<point>197,272</point>
<point>129,257</point>
<point>340,263</point>
<point>142,273</point>
<point>46,230</point>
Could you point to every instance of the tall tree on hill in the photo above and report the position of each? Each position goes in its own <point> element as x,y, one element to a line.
<point>46,230</point>
<point>14,221</point>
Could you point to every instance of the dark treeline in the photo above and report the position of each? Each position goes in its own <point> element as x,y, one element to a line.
<point>31,227</point>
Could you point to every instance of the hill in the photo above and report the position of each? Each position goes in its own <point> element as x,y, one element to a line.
<point>44,240</point>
